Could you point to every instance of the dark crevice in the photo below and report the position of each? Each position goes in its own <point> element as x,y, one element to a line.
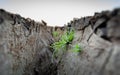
<point>1,20</point>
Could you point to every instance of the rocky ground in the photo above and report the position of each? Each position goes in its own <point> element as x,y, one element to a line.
<point>25,46</point>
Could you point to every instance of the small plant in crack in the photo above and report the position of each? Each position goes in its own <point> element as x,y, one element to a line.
<point>55,33</point>
<point>65,39</point>
<point>76,48</point>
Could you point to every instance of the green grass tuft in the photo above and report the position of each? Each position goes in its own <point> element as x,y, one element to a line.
<point>76,49</point>
<point>65,39</point>
<point>55,33</point>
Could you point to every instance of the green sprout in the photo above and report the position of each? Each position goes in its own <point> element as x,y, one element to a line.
<point>77,48</point>
<point>65,39</point>
<point>55,33</point>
